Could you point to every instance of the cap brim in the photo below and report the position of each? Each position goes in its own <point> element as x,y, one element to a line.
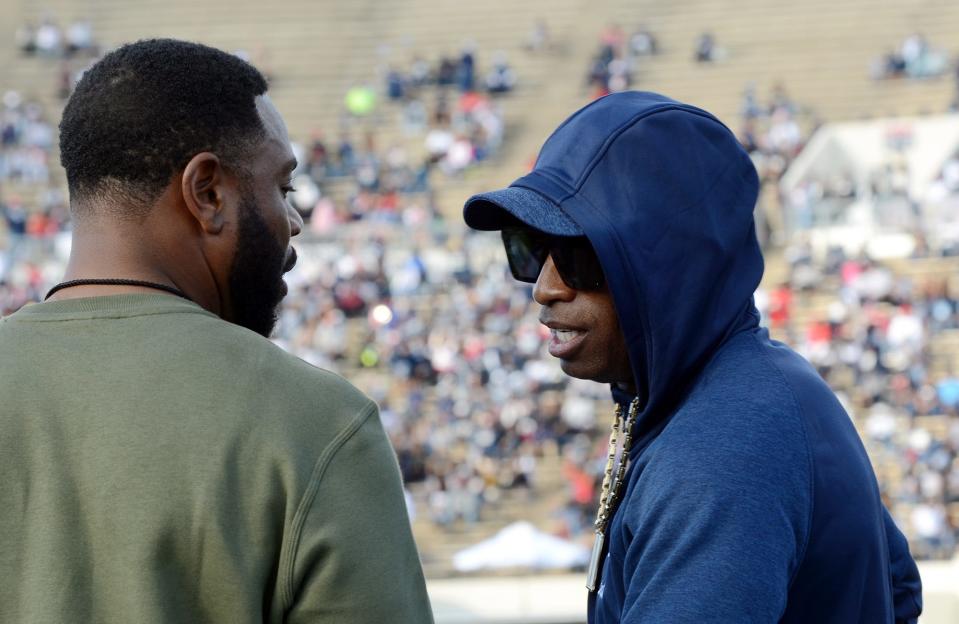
<point>498,209</point>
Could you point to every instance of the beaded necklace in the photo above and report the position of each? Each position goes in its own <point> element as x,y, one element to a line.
<point>117,282</point>
<point>612,487</point>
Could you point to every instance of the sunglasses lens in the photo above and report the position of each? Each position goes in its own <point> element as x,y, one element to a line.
<point>525,253</point>
<point>578,265</point>
<point>574,258</point>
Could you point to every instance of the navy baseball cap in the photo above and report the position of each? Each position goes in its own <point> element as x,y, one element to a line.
<point>518,205</point>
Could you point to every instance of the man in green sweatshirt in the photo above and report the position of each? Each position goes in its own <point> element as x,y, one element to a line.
<point>162,461</point>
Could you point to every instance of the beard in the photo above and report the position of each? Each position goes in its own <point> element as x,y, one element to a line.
<point>256,276</point>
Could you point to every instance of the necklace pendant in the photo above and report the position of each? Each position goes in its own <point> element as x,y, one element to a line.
<point>595,560</point>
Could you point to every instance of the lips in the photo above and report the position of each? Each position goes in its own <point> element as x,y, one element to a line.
<point>564,339</point>
<point>563,344</point>
<point>290,261</point>
<point>287,267</point>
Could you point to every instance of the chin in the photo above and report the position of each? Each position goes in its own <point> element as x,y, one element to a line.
<point>581,370</point>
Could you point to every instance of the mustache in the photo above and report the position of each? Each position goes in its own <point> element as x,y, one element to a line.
<point>290,260</point>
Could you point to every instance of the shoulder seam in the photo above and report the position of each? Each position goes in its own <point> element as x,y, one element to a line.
<point>809,459</point>
<point>306,502</point>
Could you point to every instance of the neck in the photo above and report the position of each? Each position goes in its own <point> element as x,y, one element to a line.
<point>107,251</point>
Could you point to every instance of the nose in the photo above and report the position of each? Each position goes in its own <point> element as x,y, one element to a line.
<point>296,221</point>
<point>550,287</point>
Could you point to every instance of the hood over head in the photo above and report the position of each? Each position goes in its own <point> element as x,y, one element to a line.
<point>665,195</point>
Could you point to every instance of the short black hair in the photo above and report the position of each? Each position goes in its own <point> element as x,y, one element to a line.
<point>144,110</point>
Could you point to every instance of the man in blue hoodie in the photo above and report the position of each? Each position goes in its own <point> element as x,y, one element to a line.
<point>747,495</point>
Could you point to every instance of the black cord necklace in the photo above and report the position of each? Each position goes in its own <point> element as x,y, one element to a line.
<point>116,282</point>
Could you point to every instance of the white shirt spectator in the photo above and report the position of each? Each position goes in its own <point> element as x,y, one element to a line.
<point>48,38</point>
<point>438,142</point>
<point>80,35</point>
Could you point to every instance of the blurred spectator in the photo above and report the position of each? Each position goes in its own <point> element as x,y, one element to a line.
<point>458,157</point>
<point>319,163</point>
<point>750,108</point>
<point>446,72</point>
<point>500,78</point>
<point>643,43</point>
<point>538,39</point>
<point>395,85</point>
<point>620,78</point>
<point>79,37</point>
<point>705,50</point>
<point>613,38</point>
<point>780,102</point>
<point>49,38</point>
<point>345,155</point>
<point>415,117</point>
<point>598,76</point>
<point>441,110</point>
<point>438,142</point>
<point>420,73</point>
<point>466,71</point>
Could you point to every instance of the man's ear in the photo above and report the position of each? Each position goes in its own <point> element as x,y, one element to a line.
<point>202,186</point>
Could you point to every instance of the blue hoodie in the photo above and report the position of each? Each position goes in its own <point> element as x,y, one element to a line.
<point>749,496</point>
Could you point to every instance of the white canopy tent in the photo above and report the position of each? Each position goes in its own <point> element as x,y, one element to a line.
<point>862,147</point>
<point>857,153</point>
<point>521,545</point>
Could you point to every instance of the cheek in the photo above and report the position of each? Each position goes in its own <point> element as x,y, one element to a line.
<point>282,227</point>
<point>274,212</point>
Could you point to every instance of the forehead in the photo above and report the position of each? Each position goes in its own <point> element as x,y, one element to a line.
<point>275,151</point>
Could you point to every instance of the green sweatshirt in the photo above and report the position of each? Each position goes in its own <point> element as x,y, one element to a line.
<point>161,465</point>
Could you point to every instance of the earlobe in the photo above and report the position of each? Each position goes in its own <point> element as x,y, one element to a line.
<point>203,192</point>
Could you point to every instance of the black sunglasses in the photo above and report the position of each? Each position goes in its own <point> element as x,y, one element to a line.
<point>575,260</point>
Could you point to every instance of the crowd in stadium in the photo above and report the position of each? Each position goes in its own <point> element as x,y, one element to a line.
<point>874,343</point>
<point>26,150</point>
<point>456,359</point>
<point>428,320</point>
<point>462,73</point>
<point>26,140</point>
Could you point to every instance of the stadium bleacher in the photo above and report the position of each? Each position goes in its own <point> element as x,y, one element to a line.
<point>315,51</point>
